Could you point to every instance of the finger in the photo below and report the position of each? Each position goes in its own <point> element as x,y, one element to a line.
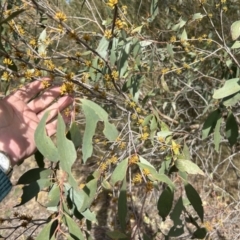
<point>29,91</point>
<point>44,100</point>
<point>51,127</point>
<point>56,107</point>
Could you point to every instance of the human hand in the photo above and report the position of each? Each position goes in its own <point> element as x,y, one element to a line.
<point>20,114</point>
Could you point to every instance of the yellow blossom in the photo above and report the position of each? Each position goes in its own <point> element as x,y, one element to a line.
<point>115,75</point>
<point>45,83</point>
<point>5,76</point>
<point>61,16</point>
<point>88,63</point>
<point>112,3</point>
<point>33,42</point>
<point>7,61</point>
<point>137,178</point>
<point>145,172</point>
<point>29,74</point>
<point>134,116</point>
<point>67,87</point>
<point>140,121</point>
<point>173,39</point>
<point>107,77</point>
<point>133,159</point>
<point>144,136</point>
<point>120,24</point>
<point>67,112</point>
<point>122,145</point>
<point>114,159</point>
<point>185,65</point>
<point>149,186</point>
<point>175,148</point>
<point>108,33</point>
<point>103,166</point>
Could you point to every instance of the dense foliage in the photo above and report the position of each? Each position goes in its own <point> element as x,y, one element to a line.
<point>152,81</point>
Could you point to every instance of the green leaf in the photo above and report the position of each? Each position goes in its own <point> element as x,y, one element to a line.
<point>103,47</point>
<point>44,143</point>
<point>194,199</point>
<point>184,35</point>
<point>74,135</point>
<point>235,30</point>
<point>53,196</point>
<point>30,191</point>
<point>76,196</point>
<point>42,46</point>
<point>197,16</point>
<point>230,87</point>
<point>164,84</point>
<point>90,216</point>
<point>116,234</point>
<point>186,152</point>
<point>188,166</point>
<point>89,191</point>
<point>73,228</point>
<point>231,129</point>
<point>13,15</point>
<point>66,149</point>
<point>165,202</point>
<point>33,175</point>
<point>122,206</point>
<point>153,10</point>
<point>236,45</point>
<point>123,59</point>
<point>93,114</point>
<point>47,231</point>
<point>210,123</point>
<point>200,233</point>
<point>119,172</point>
<point>231,100</point>
<point>217,134</point>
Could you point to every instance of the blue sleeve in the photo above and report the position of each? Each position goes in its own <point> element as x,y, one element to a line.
<point>5,185</point>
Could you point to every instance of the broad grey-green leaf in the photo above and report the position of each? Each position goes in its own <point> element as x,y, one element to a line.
<point>184,35</point>
<point>90,216</point>
<point>154,10</point>
<point>231,100</point>
<point>231,129</point>
<point>235,30</point>
<point>47,231</point>
<point>89,191</point>
<point>93,114</point>
<point>194,199</point>
<point>217,134</point>
<point>73,228</point>
<point>42,46</point>
<point>119,172</point>
<point>210,123</point>
<point>165,202</point>
<point>236,45</point>
<point>123,59</point>
<point>188,166</point>
<point>122,205</point>
<point>66,148</point>
<point>44,143</point>
<point>197,16</point>
<point>53,196</point>
<point>76,196</point>
<point>103,47</point>
<point>230,87</point>
<point>164,84</point>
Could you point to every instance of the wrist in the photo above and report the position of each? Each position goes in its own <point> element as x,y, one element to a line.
<point>5,164</point>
